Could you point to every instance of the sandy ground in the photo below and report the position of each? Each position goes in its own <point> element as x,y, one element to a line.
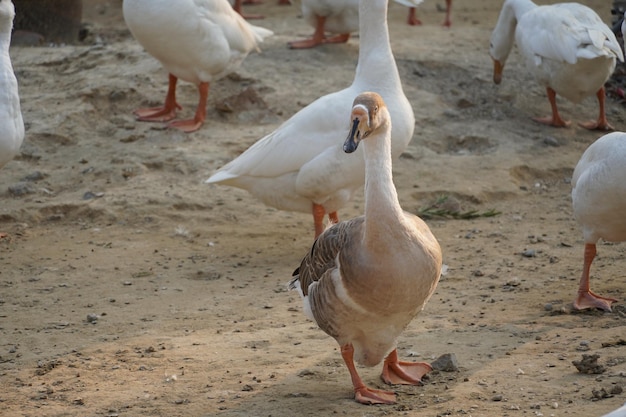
<point>130,288</point>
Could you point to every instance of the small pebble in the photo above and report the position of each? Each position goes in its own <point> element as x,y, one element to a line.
<point>446,363</point>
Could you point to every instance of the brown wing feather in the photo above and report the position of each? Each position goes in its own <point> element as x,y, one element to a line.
<point>321,258</point>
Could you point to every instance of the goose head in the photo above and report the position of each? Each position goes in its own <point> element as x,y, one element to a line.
<point>499,49</point>
<point>366,117</point>
<point>503,38</point>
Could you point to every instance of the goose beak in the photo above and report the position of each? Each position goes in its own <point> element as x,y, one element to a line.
<point>354,137</point>
<point>497,71</point>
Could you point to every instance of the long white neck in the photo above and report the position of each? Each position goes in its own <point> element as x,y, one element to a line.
<point>504,32</point>
<point>5,34</point>
<point>374,47</point>
<point>382,207</point>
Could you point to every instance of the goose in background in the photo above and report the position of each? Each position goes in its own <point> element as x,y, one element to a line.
<point>339,17</point>
<point>567,48</point>
<point>599,203</point>
<point>199,41</point>
<point>300,166</point>
<point>238,6</point>
<point>11,122</point>
<point>414,21</point>
<point>366,278</point>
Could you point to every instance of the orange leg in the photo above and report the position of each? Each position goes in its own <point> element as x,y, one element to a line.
<point>362,393</point>
<point>447,22</point>
<point>601,123</point>
<point>194,124</point>
<point>586,298</point>
<point>318,37</point>
<point>318,218</point>
<point>413,20</point>
<point>408,373</point>
<point>238,9</point>
<point>165,113</point>
<point>555,120</point>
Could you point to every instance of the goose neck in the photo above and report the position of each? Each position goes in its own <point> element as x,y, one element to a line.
<point>376,59</point>
<point>503,35</point>
<point>382,207</point>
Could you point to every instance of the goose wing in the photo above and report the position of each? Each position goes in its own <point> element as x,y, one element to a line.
<point>322,259</point>
<point>567,32</point>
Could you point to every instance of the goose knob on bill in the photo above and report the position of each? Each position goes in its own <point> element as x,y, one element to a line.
<point>566,46</point>
<point>599,203</point>
<point>199,41</point>
<point>365,279</point>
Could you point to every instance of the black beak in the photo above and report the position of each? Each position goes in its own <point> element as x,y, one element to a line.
<point>352,141</point>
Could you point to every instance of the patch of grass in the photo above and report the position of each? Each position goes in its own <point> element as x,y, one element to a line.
<point>442,209</point>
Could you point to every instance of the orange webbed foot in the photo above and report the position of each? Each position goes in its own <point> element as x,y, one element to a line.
<point>156,114</point>
<point>365,395</point>
<point>597,125</point>
<point>303,44</point>
<point>341,38</point>
<point>187,126</point>
<point>591,300</point>
<point>552,121</point>
<point>407,373</point>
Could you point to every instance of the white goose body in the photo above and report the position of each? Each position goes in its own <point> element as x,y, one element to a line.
<point>365,279</point>
<point>599,203</point>
<point>566,46</point>
<point>300,163</point>
<point>341,16</point>
<point>11,123</point>
<point>198,41</point>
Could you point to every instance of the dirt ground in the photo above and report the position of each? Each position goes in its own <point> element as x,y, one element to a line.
<point>128,287</point>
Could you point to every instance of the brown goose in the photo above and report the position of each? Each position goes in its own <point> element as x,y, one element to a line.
<point>366,278</point>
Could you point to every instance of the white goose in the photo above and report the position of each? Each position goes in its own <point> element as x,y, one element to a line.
<point>11,123</point>
<point>198,41</point>
<point>337,16</point>
<point>299,166</point>
<point>414,21</point>
<point>599,202</point>
<point>340,17</point>
<point>366,278</point>
<point>566,46</point>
